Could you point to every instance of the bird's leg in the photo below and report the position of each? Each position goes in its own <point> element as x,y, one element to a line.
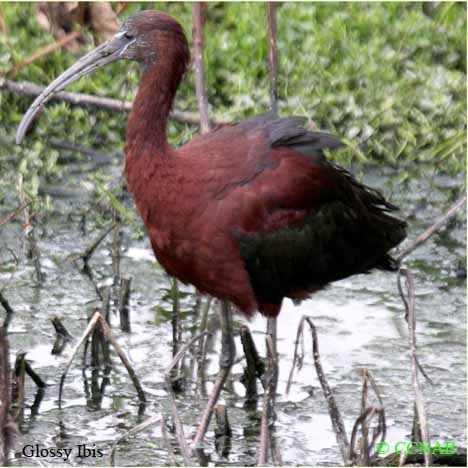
<point>228,353</point>
<point>270,382</point>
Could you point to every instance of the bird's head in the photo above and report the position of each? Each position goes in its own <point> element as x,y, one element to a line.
<point>149,38</point>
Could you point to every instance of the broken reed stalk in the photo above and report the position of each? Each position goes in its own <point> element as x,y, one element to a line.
<point>135,430</point>
<point>8,429</point>
<point>361,456</point>
<point>124,299</point>
<point>28,228</point>
<point>254,366</point>
<point>60,329</point>
<point>200,85</point>
<point>6,305</point>
<point>196,317</point>
<point>116,244</point>
<point>364,452</point>
<point>175,415</point>
<point>96,340</point>
<point>17,388</point>
<point>87,100</point>
<point>87,254</point>
<point>272,56</point>
<point>335,415</point>
<point>32,374</point>
<point>98,320</point>
<point>176,377</point>
<point>167,442</point>
<point>62,337</point>
<point>223,431</point>
<point>106,299</point>
<point>298,359</point>
<point>423,237</point>
<point>202,346</point>
<point>204,121</point>
<point>419,399</point>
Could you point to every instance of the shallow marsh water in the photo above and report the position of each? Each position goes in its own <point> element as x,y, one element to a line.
<point>360,323</point>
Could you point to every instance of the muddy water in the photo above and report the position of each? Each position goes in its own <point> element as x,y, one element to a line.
<point>360,323</point>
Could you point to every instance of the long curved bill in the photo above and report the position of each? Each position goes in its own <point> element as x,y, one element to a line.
<point>106,53</point>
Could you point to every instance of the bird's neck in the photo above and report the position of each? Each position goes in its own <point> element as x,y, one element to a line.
<point>146,130</point>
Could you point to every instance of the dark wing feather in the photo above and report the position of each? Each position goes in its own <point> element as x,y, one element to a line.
<point>347,230</point>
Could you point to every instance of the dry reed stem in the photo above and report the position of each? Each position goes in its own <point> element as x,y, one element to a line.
<point>25,88</point>
<point>335,415</point>
<point>167,442</point>
<point>409,307</point>
<point>200,84</point>
<point>98,319</point>
<point>272,56</point>
<point>423,237</point>
<point>33,251</point>
<point>175,415</point>
<point>298,359</point>
<point>87,254</point>
<point>254,366</point>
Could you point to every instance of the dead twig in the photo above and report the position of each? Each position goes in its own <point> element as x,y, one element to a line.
<point>200,85</point>
<point>175,415</point>
<point>167,443</point>
<point>202,348</point>
<point>124,299</point>
<point>116,245</point>
<point>62,336</point>
<point>419,399</point>
<point>176,378</point>
<point>98,319</point>
<point>87,100</point>
<point>423,237</point>
<point>254,368</point>
<point>6,305</point>
<point>362,457</point>
<point>298,359</point>
<point>335,415</point>
<point>8,428</point>
<point>272,56</point>
<point>223,431</point>
<point>33,251</point>
<point>87,254</point>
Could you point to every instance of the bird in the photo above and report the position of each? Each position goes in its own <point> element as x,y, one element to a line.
<point>251,212</point>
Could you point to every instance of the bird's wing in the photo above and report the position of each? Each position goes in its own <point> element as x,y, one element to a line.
<point>237,154</point>
<point>299,220</point>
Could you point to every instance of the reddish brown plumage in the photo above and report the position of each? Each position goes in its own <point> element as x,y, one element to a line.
<point>239,180</point>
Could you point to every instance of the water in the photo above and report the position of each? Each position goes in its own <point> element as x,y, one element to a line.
<point>360,323</point>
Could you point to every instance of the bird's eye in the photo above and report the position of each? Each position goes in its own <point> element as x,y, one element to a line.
<point>129,35</point>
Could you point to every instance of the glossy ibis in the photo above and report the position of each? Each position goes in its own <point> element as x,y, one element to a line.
<point>250,212</point>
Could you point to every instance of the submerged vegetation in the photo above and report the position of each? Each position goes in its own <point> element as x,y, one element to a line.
<point>388,78</point>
